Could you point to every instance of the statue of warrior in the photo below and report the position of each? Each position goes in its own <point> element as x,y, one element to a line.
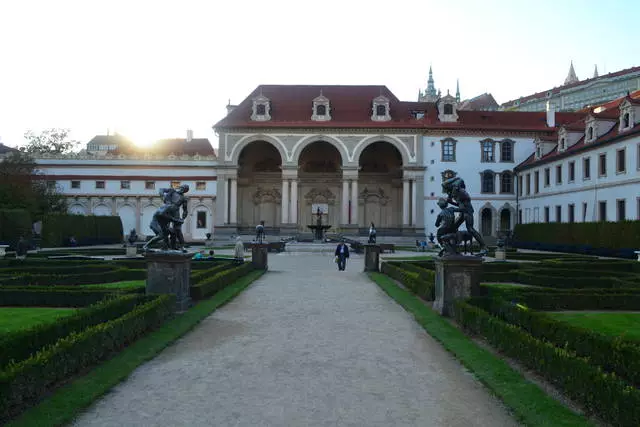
<point>169,212</point>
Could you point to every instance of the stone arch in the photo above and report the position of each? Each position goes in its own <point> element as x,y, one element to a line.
<point>505,210</point>
<point>77,209</point>
<point>194,229</point>
<point>102,210</point>
<point>127,214</point>
<point>404,151</point>
<point>487,217</point>
<point>299,147</point>
<point>240,145</point>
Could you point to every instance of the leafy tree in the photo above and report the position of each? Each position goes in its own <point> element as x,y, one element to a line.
<point>50,141</point>
<point>22,185</point>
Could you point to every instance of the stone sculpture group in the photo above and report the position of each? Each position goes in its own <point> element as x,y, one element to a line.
<point>167,220</point>
<point>448,235</point>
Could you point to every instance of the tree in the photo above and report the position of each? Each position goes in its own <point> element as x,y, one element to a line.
<point>50,141</point>
<point>23,186</point>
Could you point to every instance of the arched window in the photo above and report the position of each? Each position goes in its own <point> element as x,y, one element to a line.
<point>488,182</point>
<point>381,110</point>
<point>506,151</point>
<point>487,151</point>
<point>261,109</point>
<point>590,133</point>
<point>625,120</point>
<point>506,182</point>
<point>321,110</point>
<point>448,109</point>
<point>449,150</point>
<point>563,144</point>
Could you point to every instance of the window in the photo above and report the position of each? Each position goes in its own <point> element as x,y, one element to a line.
<point>201,185</point>
<point>546,214</point>
<point>538,151</point>
<point>586,168</point>
<point>563,144</point>
<point>488,182</point>
<point>150,185</point>
<point>584,211</point>
<point>625,120</point>
<point>99,185</point>
<point>558,213</point>
<point>506,151</point>
<point>528,184</point>
<point>572,213</point>
<point>547,177</point>
<point>175,184</point>
<point>125,185</point>
<point>602,165</point>
<point>559,174</point>
<point>321,110</point>
<point>621,209</point>
<point>536,183</point>
<point>590,133</point>
<point>572,171</point>
<point>261,109</point>
<point>621,161</point>
<point>381,110</point>
<point>487,151</point>
<point>75,184</point>
<point>602,208</point>
<point>520,185</point>
<point>506,182</point>
<point>448,150</point>
<point>448,109</point>
<point>201,219</point>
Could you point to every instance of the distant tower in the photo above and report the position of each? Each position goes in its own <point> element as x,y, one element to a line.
<point>458,90</point>
<point>430,94</point>
<point>595,72</point>
<point>571,77</point>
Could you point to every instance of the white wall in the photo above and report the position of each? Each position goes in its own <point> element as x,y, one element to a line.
<point>468,165</point>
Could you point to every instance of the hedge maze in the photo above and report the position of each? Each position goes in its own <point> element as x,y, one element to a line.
<point>597,370</point>
<point>111,311</point>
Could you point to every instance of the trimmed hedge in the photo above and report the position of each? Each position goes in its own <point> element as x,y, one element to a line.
<point>13,224</point>
<point>53,296</point>
<point>603,299</point>
<point>116,275</point>
<point>209,286</point>
<point>599,238</point>
<point>603,394</point>
<point>23,383</point>
<point>87,229</point>
<point>19,345</point>
<point>419,280</point>
<point>202,275</point>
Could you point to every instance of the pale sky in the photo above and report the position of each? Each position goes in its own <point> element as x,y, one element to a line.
<point>152,69</point>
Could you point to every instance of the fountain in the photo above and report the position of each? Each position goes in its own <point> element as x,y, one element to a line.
<point>319,229</point>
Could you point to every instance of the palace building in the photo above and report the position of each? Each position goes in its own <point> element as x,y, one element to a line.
<point>360,155</point>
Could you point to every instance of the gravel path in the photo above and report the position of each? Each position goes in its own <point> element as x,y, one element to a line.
<point>305,345</point>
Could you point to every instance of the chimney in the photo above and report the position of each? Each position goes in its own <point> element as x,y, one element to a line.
<point>189,135</point>
<point>551,115</point>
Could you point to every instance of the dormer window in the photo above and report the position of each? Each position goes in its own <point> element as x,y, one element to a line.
<point>625,120</point>
<point>538,151</point>
<point>380,111</point>
<point>563,144</point>
<point>629,111</point>
<point>261,110</point>
<point>590,133</point>
<point>448,109</point>
<point>321,109</point>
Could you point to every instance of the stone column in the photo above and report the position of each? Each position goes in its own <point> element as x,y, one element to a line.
<point>414,203</point>
<point>285,201</point>
<point>354,201</point>
<point>405,202</point>
<point>233,201</point>
<point>293,218</point>
<point>138,217</point>
<point>419,223</point>
<point>225,200</point>
<point>345,201</point>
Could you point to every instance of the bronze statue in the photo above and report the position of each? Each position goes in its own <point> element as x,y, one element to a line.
<point>168,213</point>
<point>457,195</point>
<point>260,232</point>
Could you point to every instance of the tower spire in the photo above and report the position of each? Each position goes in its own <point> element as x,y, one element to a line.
<point>458,90</point>
<point>595,72</point>
<point>571,77</point>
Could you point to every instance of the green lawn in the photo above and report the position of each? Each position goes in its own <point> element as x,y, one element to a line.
<point>118,285</point>
<point>608,323</point>
<point>15,318</point>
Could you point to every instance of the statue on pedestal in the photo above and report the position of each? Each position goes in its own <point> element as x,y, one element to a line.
<point>455,189</point>
<point>260,232</point>
<point>169,213</point>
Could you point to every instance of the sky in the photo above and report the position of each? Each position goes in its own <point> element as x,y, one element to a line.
<point>153,69</point>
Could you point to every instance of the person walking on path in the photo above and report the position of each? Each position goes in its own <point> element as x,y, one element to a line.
<point>342,253</point>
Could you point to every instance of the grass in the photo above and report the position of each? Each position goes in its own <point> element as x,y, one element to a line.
<point>617,324</point>
<point>530,405</point>
<point>67,402</point>
<point>15,318</point>
<point>128,284</point>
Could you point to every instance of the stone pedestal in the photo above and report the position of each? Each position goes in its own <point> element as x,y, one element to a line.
<point>3,250</point>
<point>457,276</point>
<point>168,273</point>
<point>259,255</point>
<point>501,254</point>
<point>371,257</point>
<point>131,250</point>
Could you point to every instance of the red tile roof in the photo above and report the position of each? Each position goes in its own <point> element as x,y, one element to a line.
<point>556,90</point>
<point>291,107</point>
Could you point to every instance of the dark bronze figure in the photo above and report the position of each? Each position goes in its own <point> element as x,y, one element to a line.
<point>168,213</point>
